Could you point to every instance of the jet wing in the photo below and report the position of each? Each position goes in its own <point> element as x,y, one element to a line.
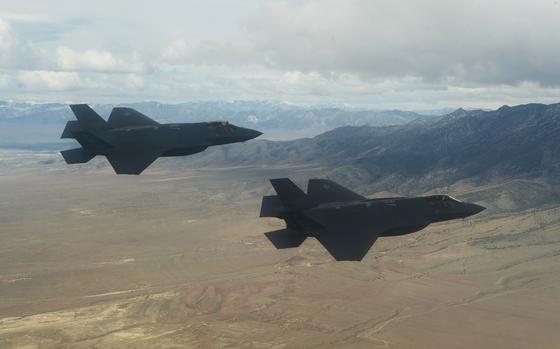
<point>285,238</point>
<point>132,161</point>
<point>123,117</point>
<point>322,191</point>
<point>347,243</point>
<point>349,229</point>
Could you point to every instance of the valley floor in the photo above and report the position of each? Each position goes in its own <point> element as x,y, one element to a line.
<point>168,260</point>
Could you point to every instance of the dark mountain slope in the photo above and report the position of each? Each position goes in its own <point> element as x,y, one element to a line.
<point>478,146</point>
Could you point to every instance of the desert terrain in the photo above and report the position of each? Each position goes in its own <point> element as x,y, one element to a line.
<point>178,259</point>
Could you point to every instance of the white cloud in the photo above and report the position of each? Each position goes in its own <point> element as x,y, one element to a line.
<point>389,54</point>
<point>175,51</point>
<point>18,54</point>
<point>6,40</point>
<point>135,82</point>
<point>210,52</point>
<point>5,81</point>
<point>22,17</point>
<point>503,42</point>
<point>49,80</point>
<point>96,60</point>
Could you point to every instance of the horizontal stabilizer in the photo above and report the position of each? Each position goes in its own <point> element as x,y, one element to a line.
<point>271,206</point>
<point>291,196</point>
<point>323,191</point>
<point>123,117</point>
<point>285,238</point>
<point>91,141</point>
<point>88,118</point>
<point>77,156</point>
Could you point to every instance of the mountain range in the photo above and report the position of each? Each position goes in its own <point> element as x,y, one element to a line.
<point>514,152</point>
<point>27,123</point>
<point>519,145</point>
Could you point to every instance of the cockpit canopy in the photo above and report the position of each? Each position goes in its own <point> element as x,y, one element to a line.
<point>217,123</point>
<point>442,201</point>
<point>221,126</point>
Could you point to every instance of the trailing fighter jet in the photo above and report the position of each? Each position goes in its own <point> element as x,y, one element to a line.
<point>131,141</point>
<point>347,224</point>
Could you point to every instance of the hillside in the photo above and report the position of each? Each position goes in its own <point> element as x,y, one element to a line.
<point>482,146</point>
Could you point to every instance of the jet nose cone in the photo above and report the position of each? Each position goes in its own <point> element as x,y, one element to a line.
<point>252,134</point>
<point>473,209</point>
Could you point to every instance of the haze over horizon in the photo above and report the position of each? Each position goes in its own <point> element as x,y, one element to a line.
<point>409,56</point>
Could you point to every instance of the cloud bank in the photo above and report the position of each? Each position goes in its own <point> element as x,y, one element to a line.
<point>398,53</point>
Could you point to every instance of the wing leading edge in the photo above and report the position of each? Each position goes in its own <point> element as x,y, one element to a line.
<point>347,244</point>
<point>129,162</point>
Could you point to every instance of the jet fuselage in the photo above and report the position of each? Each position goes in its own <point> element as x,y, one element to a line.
<point>131,141</point>
<point>394,216</point>
<point>348,224</point>
<point>173,139</point>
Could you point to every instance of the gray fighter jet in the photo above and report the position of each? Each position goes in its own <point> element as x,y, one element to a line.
<point>347,224</point>
<point>131,141</point>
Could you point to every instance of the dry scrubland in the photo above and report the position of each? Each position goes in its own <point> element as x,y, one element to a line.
<point>168,260</point>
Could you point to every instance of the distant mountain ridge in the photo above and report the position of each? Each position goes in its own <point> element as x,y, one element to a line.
<point>514,152</point>
<point>477,146</point>
<point>277,120</point>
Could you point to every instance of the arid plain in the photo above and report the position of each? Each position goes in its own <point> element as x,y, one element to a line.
<point>89,259</point>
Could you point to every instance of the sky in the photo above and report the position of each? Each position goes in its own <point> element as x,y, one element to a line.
<point>414,55</point>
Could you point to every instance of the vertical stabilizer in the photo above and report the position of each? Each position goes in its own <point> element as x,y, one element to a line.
<point>291,196</point>
<point>88,118</point>
<point>323,191</point>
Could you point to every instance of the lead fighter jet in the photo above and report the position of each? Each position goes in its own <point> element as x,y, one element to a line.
<point>347,224</point>
<point>131,141</point>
